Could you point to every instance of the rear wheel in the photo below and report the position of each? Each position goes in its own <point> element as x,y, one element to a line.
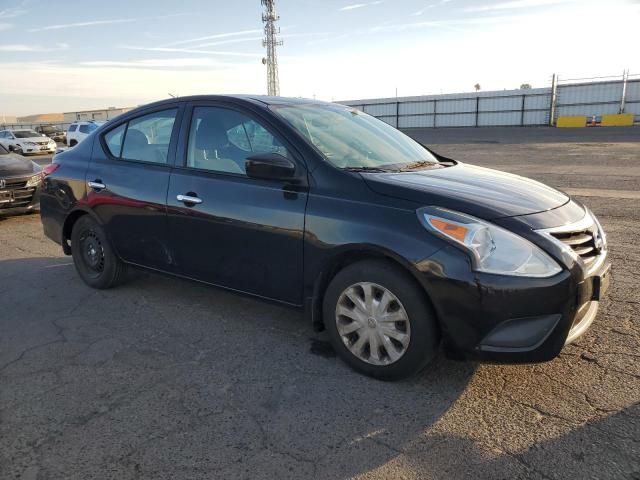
<point>379,320</point>
<point>95,260</point>
<point>73,143</point>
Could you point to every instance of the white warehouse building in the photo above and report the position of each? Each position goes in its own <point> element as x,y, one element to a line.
<point>102,115</point>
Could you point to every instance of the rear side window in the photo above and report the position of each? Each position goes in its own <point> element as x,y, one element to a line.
<point>88,128</point>
<point>113,139</point>
<point>144,138</point>
<point>72,128</point>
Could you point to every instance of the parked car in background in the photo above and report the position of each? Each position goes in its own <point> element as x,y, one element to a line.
<point>20,180</point>
<point>55,132</point>
<point>390,247</point>
<point>78,131</point>
<point>26,142</point>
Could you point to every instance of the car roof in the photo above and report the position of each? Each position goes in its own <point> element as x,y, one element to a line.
<point>263,99</point>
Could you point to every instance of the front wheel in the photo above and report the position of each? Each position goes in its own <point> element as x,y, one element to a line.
<point>380,321</point>
<point>95,260</point>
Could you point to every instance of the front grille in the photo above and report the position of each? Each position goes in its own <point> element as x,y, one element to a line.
<point>583,242</point>
<point>23,196</point>
<point>16,193</point>
<point>14,183</point>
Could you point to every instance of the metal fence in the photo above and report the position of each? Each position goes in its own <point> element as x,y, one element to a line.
<point>33,125</point>
<point>523,107</point>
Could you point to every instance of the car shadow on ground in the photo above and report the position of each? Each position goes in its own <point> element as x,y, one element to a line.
<point>165,378</point>
<point>606,448</point>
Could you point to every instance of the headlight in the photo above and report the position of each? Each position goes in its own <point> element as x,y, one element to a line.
<point>35,180</point>
<point>492,249</point>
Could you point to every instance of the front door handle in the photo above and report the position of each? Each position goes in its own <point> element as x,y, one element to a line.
<point>189,199</point>
<point>97,185</point>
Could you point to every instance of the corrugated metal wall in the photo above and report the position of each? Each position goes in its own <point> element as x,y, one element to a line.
<point>529,107</point>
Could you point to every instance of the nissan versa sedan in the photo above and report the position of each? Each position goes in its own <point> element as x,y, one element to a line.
<point>390,247</point>
<point>19,183</point>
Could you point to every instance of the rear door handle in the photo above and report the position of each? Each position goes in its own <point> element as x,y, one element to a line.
<point>189,199</point>
<point>97,185</point>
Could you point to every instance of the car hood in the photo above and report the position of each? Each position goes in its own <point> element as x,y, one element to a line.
<point>13,165</point>
<point>478,191</point>
<point>33,139</point>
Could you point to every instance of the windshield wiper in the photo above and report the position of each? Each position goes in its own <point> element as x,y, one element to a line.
<point>419,165</point>
<point>368,169</point>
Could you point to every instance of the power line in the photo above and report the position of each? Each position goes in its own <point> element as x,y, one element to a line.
<point>269,18</point>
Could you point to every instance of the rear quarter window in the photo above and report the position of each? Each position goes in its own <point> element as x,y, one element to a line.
<point>113,139</point>
<point>72,128</point>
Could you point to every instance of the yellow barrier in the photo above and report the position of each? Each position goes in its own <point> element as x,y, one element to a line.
<point>571,122</point>
<point>617,120</point>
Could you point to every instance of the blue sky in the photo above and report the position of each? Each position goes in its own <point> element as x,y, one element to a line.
<point>69,55</point>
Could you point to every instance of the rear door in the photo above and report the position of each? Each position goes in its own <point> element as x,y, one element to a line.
<point>127,183</point>
<point>245,234</point>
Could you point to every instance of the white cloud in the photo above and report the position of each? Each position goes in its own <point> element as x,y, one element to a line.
<point>21,47</point>
<point>5,26</point>
<point>192,51</point>
<point>213,37</point>
<point>431,5</point>
<point>517,4</point>
<point>226,42</point>
<point>355,6</point>
<point>12,12</point>
<point>160,63</point>
<point>84,24</point>
<point>446,23</point>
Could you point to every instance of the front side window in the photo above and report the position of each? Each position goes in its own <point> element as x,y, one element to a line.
<point>147,138</point>
<point>348,138</point>
<point>220,140</point>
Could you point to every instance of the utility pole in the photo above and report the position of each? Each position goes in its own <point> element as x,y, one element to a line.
<point>269,18</point>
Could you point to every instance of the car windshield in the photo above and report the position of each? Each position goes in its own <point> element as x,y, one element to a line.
<point>351,139</point>
<point>26,134</point>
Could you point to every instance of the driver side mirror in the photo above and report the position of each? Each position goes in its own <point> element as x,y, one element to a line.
<point>270,166</point>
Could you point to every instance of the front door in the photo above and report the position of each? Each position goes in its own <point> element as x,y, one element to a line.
<point>226,228</point>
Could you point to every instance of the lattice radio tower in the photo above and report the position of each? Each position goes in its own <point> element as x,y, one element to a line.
<point>269,18</point>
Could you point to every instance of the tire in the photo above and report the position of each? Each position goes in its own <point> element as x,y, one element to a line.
<point>73,143</point>
<point>398,357</point>
<point>95,260</point>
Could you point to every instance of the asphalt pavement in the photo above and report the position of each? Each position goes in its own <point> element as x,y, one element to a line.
<point>165,378</point>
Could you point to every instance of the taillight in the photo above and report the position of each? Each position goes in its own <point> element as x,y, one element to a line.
<point>49,169</point>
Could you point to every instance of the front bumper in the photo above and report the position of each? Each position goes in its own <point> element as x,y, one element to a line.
<point>16,197</point>
<point>37,149</point>
<point>510,319</point>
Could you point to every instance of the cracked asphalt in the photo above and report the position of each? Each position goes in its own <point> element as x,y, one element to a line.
<point>164,378</point>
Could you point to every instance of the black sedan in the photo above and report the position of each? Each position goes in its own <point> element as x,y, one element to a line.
<point>390,247</point>
<point>19,183</point>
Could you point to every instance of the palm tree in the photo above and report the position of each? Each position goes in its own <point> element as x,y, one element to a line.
<point>477,87</point>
